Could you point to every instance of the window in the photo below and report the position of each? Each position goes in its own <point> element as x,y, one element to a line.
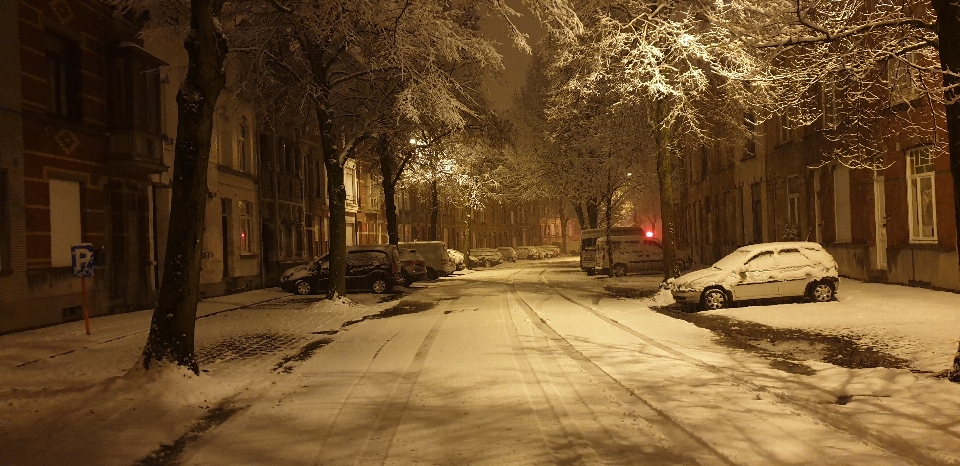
<point>64,221</point>
<point>761,261</point>
<point>246,227</point>
<point>5,263</point>
<point>793,200</point>
<point>750,147</point>
<point>783,128</point>
<point>756,204</point>
<point>224,144</point>
<point>135,89</point>
<point>828,102</point>
<point>243,147</point>
<point>902,78</point>
<point>921,192</point>
<point>63,76</point>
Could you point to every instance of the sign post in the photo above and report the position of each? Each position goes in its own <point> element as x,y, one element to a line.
<point>82,255</point>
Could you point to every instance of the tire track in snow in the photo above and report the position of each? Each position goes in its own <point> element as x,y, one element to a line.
<point>891,444</point>
<point>566,445</point>
<point>377,446</point>
<point>685,441</point>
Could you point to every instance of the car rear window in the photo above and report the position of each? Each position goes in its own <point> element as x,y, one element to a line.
<point>366,258</point>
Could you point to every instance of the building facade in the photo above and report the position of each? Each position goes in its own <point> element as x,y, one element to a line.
<point>88,115</point>
<point>891,224</point>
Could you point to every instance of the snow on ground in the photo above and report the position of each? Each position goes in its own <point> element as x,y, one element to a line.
<point>91,395</point>
<point>68,398</point>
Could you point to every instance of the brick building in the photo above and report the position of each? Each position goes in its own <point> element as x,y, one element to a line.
<point>89,107</point>
<point>895,224</point>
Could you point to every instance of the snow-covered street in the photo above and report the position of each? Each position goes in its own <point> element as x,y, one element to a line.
<point>525,363</point>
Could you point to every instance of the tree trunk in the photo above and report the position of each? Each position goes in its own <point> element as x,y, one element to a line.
<point>434,210</point>
<point>665,175</point>
<point>171,336</point>
<point>948,21</point>
<point>337,195</point>
<point>389,191</point>
<point>468,263</point>
<point>593,212</point>
<point>563,226</point>
<point>581,217</point>
<point>608,217</point>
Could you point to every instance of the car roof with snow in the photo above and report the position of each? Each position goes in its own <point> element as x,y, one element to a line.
<point>781,245</point>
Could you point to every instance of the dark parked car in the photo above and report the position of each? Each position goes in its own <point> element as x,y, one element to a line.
<point>375,268</point>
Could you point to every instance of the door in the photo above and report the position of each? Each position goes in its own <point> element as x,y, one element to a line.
<point>651,256</point>
<point>794,270</point>
<point>880,218</point>
<point>225,236</point>
<point>756,277</point>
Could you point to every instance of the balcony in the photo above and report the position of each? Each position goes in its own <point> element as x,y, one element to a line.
<point>136,151</point>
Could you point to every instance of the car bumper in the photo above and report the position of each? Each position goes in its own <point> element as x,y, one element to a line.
<point>686,296</point>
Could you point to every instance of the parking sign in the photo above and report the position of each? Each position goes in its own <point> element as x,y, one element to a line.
<point>82,255</point>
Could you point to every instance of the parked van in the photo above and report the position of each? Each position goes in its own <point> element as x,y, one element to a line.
<point>630,255</point>
<point>588,244</point>
<point>439,263</point>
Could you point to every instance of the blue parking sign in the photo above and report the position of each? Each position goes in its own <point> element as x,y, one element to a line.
<point>82,255</point>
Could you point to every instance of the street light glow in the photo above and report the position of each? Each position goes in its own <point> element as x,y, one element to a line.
<point>649,234</point>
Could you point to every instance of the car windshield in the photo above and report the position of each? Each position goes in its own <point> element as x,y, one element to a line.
<point>734,259</point>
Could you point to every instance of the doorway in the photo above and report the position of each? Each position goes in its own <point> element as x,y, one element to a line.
<point>880,218</point>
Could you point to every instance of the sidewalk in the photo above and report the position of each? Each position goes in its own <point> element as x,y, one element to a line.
<point>25,348</point>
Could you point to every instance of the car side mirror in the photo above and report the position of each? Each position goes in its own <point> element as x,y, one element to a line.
<point>743,274</point>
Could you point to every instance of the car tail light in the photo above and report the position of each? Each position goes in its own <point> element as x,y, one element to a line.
<point>419,262</point>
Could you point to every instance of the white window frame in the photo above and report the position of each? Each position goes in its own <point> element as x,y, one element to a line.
<point>66,225</point>
<point>828,102</point>
<point>246,227</point>
<point>783,128</point>
<point>243,146</point>
<point>902,76</point>
<point>793,200</point>
<point>915,197</point>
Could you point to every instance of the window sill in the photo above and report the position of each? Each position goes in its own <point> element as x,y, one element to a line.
<point>249,256</point>
<point>232,171</point>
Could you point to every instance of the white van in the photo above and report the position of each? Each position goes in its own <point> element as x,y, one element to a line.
<point>631,254</point>
<point>439,263</point>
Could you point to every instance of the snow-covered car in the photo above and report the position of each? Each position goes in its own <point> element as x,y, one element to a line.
<point>375,268</point>
<point>766,270</point>
<point>509,254</point>
<point>550,250</point>
<point>485,256</point>
<point>527,252</point>
<point>436,256</point>
<point>457,257</point>
<point>413,267</point>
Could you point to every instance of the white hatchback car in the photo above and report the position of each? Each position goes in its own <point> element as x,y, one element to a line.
<point>767,270</point>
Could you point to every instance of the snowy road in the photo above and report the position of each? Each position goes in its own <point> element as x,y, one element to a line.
<point>529,365</point>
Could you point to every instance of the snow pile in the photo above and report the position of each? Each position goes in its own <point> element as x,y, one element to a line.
<point>663,298</point>
<point>338,303</point>
<point>169,384</point>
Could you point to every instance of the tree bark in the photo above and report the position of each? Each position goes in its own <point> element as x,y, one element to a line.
<point>948,23</point>
<point>593,212</point>
<point>337,195</point>
<point>665,175</point>
<point>434,210</point>
<point>172,326</point>
<point>563,226</point>
<point>581,217</point>
<point>389,184</point>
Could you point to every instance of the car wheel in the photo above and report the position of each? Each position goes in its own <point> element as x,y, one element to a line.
<point>302,287</point>
<point>432,274</point>
<point>379,285</point>
<point>591,272</point>
<point>714,299</point>
<point>619,270</point>
<point>821,292</point>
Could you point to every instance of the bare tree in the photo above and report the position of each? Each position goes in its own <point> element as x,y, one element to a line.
<point>171,336</point>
